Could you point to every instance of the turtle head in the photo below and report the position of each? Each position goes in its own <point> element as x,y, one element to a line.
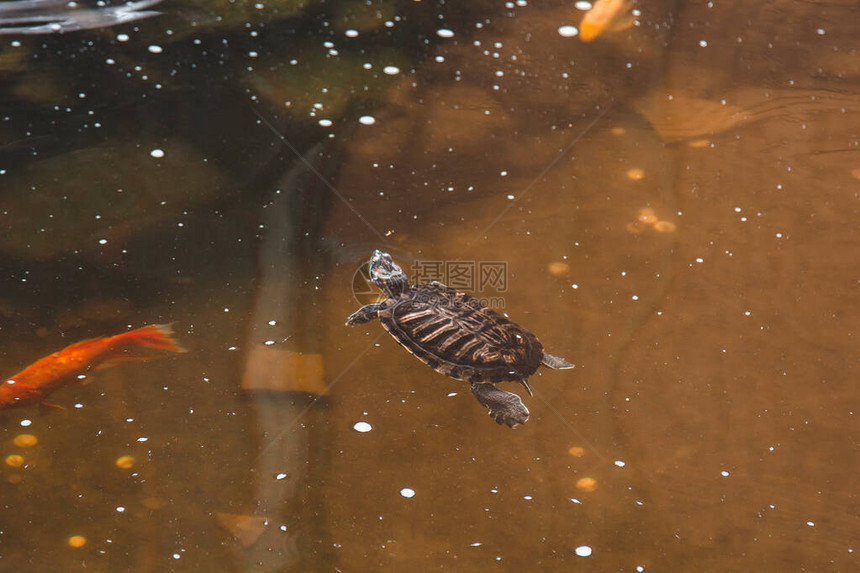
<point>385,274</point>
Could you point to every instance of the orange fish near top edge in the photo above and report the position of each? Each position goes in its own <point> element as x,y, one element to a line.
<point>51,373</point>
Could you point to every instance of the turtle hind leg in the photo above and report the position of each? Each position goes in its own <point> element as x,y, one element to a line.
<point>555,362</point>
<point>504,407</point>
<point>364,314</point>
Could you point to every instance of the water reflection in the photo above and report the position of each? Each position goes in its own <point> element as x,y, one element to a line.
<point>35,17</point>
<point>674,202</point>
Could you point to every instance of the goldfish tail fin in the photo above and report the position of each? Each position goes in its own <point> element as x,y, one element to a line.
<point>158,336</point>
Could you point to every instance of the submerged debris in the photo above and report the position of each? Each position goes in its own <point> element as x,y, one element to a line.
<point>245,528</point>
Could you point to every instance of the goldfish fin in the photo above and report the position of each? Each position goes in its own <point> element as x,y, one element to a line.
<point>46,407</point>
<point>84,343</point>
<point>158,336</point>
<point>623,24</point>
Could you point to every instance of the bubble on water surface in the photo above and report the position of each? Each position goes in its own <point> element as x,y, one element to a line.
<point>583,551</point>
<point>568,31</point>
<point>362,427</point>
<point>407,492</point>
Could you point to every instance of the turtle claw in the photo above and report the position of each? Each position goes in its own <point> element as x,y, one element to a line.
<point>556,362</point>
<point>525,384</point>
<point>505,407</point>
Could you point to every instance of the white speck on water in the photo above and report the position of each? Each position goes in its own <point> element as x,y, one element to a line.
<point>445,33</point>
<point>79,405</point>
<point>25,422</point>
<point>155,49</point>
<point>574,286</point>
<point>407,492</point>
<point>391,70</point>
<point>619,463</point>
<point>703,43</point>
<point>177,556</point>
<point>635,297</point>
<point>326,122</point>
<point>810,523</point>
<point>724,473</point>
<point>583,5</point>
<point>102,241</point>
<point>351,33</point>
<point>640,569</point>
<point>511,197</point>
<point>451,394</point>
<point>528,497</point>
<point>583,551</point>
<point>362,427</point>
<point>157,153</point>
<point>574,500</point>
<point>700,260</point>
<point>143,439</point>
<point>475,544</point>
<point>568,31</point>
<point>281,476</point>
<point>122,37</point>
<point>120,509</point>
<point>821,31</point>
<point>269,342</point>
<point>367,120</point>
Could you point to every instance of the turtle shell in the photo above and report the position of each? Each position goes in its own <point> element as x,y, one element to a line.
<point>456,335</point>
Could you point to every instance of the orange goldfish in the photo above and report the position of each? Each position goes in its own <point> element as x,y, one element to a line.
<point>606,16</point>
<point>35,382</point>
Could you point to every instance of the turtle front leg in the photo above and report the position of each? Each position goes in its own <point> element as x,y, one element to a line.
<point>504,407</point>
<point>364,314</point>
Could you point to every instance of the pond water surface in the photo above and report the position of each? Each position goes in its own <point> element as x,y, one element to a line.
<point>672,206</point>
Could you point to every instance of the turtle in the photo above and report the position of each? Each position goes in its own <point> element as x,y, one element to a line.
<point>456,335</point>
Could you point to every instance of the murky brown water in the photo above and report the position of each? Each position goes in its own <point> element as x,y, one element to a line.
<point>673,205</point>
